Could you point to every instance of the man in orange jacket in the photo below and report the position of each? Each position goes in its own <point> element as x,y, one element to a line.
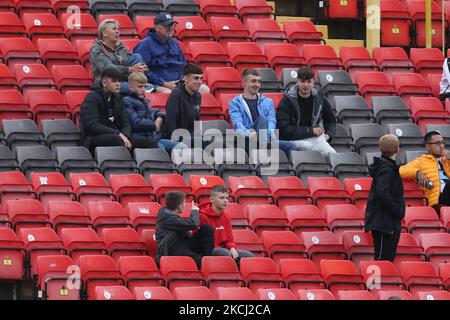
<point>431,171</point>
<point>213,213</point>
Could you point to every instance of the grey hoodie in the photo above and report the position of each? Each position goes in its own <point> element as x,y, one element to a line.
<point>102,57</point>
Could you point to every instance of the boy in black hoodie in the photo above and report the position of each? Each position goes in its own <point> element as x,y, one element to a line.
<point>386,204</point>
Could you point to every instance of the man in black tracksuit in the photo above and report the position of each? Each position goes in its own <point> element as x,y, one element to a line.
<point>305,117</point>
<point>386,204</point>
<point>183,104</point>
<point>104,120</point>
<point>173,233</point>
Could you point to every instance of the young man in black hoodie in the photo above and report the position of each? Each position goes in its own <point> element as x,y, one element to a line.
<point>183,104</point>
<point>104,120</point>
<point>386,204</point>
<point>173,233</point>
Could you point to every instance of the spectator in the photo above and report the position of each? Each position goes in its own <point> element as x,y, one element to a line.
<point>162,55</point>
<point>251,112</point>
<point>104,120</point>
<point>109,53</point>
<point>214,214</point>
<point>445,81</point>
<point>385,204</point>
<point>172,231</point>
<point>431,171</point>
<point>305,116</point>
<point>146,122</point>
<point>183,104</point>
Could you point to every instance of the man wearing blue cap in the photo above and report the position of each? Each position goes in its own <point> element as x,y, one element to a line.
<point>162,54</point>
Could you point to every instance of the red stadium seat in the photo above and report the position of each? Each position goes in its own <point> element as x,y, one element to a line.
<point>63,5</point>
<point>358,245</point>
<point>130,43</point>
<point>444,273</point>
<point>266,217</point>
<point>143,214</point>
<point>91,186</point>
<point>144,24</point>
<point>414,195</point>
<point>249,190</point>
<point>57,52</point>
<point>305,218</point>
<point>381,275</point>
<point>223,80</point>
<point>248,240</point>
<point>409,85</point>
<point>246,55</point>
<point>32,75</point>
<point>392,60</point>
<point>158,100</point>
<point>152,293</point>
<point>427,60</point>
<point>408,250</point>
<point>283,245</point>
<point>433,295</point>
<point>83,26</point>
<point>82,241</point>
<point>229,29</point>
<point>210,108</point>
<point>288,191</point>
<point>358,189</point>
<point>107,214</point>
<point>445,216</point>
<point>192,293</point>
<point>123,242</point>
<point>13,255</point>
<point>343,217</point>
<point>249,9</point>
<point>67,214</point>
<point>201,186</point>
<point>127,29</point>
<point>354,295</point>
<point>217,8</point>
<point>389,294</point>
<point>275,294</point>
<point>421,220</point>
<point>111,293</point>
<point>321,57</point>
<point>434,80</point>
<point>341,10</point>
<point>221,271</point>
<point>53,277</point>
<point>51,186</point>
<point>180,272</point>
<point>74,99</point>
<point>341,275</point>
<point>436,247</point>
<point>19,50</point>
<point>239,219</point>
<point>357,59</point>
<point>73,77</point>
<point>323,245</point>
<point>327,191</point>
<point>13,186</point>
<point>11,26</point>
<point>374,84</point>
<point>283,55</point>
<point>421,276</point>
<point>47,104</point>
<point>428,110</point>
<point>26,213</point>
<point>148,236</point>
<point>192,29</point>
<point>131,188</point>
<point>42,25</point>
<point>302,32</point>
<point>301,274</point>
<point>163,183</point>
<point>260,273</point>
<point>314,294</point>
<point>209,54</point>
<point>265,31</point>
<point>395,23</point>
<point>32,6</point>
<point>98,270</point>
<point>224,293</point>
<point>13,106</point>
<point>40,242</point>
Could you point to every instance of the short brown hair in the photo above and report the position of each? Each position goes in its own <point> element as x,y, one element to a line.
<point>218,189</point>
<point>305,73</point>
<point>250,71</point>
<point>174,199</point>
<point>389,145</point>
<point>191,68</point>
<point>138,77</point>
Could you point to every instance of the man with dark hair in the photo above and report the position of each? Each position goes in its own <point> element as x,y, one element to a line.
<point>214,214</point>
<point>173,235</point>
<point>305,116</point>
<point>431,171</point>
<point>183,104</point>
<point>103,118</point>
<point>251,112</point>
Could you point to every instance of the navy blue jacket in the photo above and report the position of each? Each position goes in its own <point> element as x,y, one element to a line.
<point>165,60</point>
<point>142,117</point>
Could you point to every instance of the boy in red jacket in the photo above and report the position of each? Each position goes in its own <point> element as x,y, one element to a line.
<point>213,213</point>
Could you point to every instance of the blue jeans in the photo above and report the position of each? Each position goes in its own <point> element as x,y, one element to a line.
<point>219,251</point>
<point>169,145</point>
<point>135,59</point>
<point>287,146</point>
